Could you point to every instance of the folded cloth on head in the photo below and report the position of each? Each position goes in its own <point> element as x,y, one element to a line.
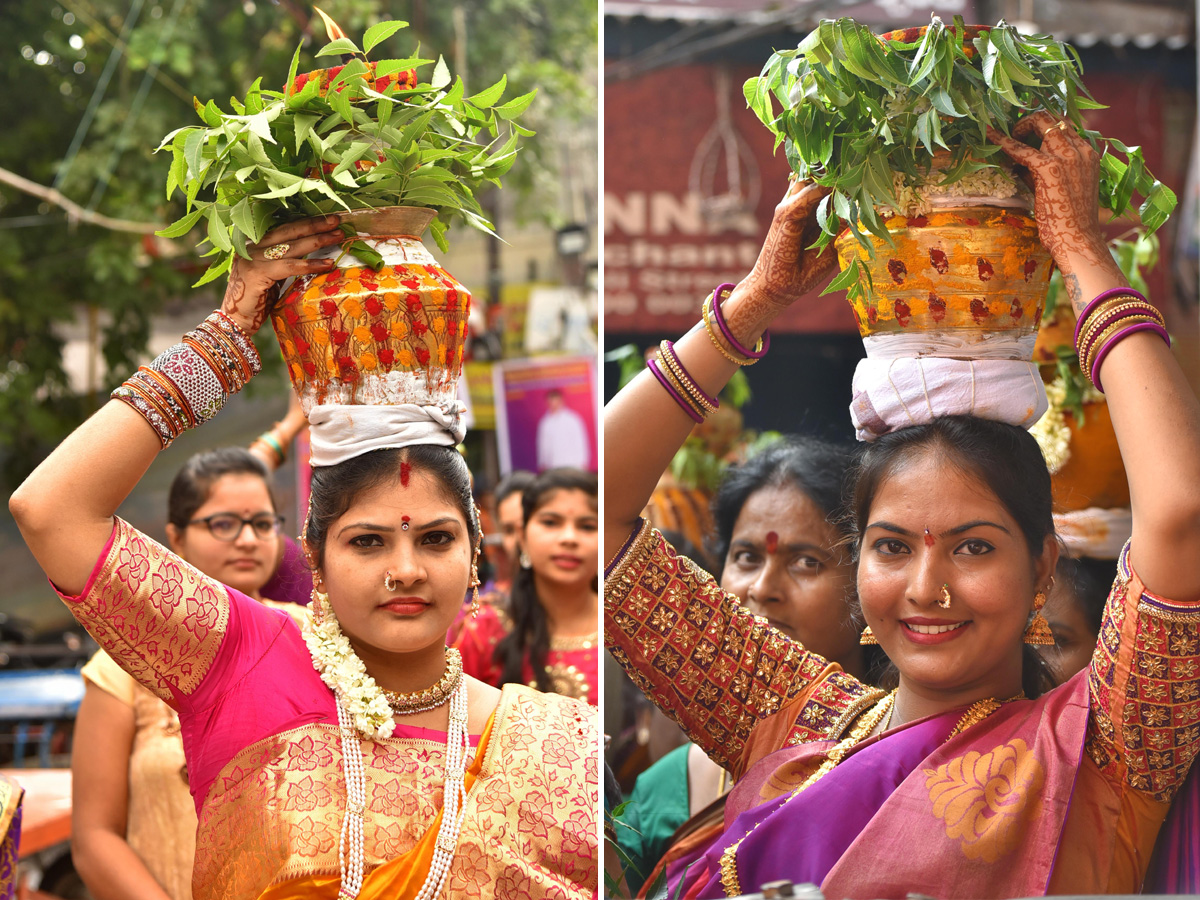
<point>341,432</point>
<point>890,394</point>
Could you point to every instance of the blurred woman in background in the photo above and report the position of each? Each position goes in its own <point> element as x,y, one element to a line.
<point>546,635</point>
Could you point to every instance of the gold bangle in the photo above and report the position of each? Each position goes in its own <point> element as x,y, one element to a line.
<point>677,378</point>
<point>1105,336</point>
<point>1103,312</point>
<point>1132,313</point>
<point>712,334</point>
<point>670,375</point>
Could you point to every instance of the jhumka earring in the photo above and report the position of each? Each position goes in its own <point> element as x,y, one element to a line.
<point>1038,633</point>
<point>319,599</point>
<point>944,600</point>
<point>867,638</point>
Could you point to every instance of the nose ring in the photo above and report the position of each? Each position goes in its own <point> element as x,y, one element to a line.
<point>944,600</point>
<point>389,584</point>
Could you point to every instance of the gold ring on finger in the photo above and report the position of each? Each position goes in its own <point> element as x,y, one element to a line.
<point>1059,126</point>
<point>279,251</point>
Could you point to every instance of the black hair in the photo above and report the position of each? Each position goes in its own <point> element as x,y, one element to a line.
<point>335,488</point>
<point>193,482</point>
<point>514,482</point>
<point>530,634</point>
<point>1089,580</point>
<point>1004,457</point>
<point>816,467</point>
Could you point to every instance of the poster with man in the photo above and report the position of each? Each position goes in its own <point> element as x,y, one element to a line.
<point>546,413</point>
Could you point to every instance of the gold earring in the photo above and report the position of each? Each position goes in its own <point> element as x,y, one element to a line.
<point>944,600</point>
<point>1038,633</point>
<point>474,608</point>
<point>867,638</point>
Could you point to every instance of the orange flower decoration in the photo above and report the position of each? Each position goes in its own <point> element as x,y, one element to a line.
<point>391,300</point>
<point>438,325</point>
<point>351,308</point>
<point>405,358</point>
<point>399,329</point>
<point>320,336</point>
<point>367,361</point>
<point>362,334</point>
<point>986,798</point>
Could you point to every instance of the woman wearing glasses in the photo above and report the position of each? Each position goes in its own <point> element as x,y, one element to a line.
<point>134,819</point>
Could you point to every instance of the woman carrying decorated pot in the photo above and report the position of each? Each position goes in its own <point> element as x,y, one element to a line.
<point>355,760</point>
<point>967,781</point>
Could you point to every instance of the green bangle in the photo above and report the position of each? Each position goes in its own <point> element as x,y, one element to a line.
<point>269,438</point>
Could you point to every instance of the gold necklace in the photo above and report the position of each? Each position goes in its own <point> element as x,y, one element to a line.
<point>403,704</point>
<point>976,713</point>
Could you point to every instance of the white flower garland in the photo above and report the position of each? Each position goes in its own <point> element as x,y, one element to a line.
<point>1051,431</point>
<point>344,673</point>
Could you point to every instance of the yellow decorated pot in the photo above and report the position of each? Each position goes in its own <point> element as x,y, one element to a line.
<point>966,270</point>
<point>355,335</point>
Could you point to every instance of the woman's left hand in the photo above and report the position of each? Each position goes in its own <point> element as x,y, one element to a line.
<point>254,283</point>
<point>1066,178</point>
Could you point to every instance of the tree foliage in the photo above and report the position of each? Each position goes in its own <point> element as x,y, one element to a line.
<point>167,53</point>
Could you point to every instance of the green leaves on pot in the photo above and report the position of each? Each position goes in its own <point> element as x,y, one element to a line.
<point>361,135</point>
<point>851,109</point>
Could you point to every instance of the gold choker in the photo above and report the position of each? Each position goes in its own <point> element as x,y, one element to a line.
<point>432,697</point>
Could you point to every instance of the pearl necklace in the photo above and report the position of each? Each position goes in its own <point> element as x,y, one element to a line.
<point>351,857</point>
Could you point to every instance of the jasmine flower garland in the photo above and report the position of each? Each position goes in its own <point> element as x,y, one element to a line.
<point>344,673</point>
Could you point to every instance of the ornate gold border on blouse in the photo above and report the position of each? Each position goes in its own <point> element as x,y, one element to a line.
<point>1151,604</point>
<point>635,550</point>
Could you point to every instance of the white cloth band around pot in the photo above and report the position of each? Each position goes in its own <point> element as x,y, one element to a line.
<point>890,394</point>
<point>339,432</point>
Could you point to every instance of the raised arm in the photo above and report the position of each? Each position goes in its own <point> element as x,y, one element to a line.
<point>65,508</point>
<point>643,425</point>
<point>1154,411</point>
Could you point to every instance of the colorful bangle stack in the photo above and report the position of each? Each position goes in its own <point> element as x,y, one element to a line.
<point>271,441</point>
<point>711,313</point>
<point>1109,319</point>
<point>189,383</point>
<point>679,383</point>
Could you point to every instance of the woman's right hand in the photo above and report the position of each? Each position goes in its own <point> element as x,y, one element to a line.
<point>254,283</point>
<point>788,267</point>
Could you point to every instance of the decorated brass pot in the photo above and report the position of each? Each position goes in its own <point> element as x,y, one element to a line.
<point>965,272</point>
<point>355,335</point>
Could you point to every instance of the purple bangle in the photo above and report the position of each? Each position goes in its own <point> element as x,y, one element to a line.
<point>1112,292</point>
<point>733,342</point>
<point>1116,338</point>
<point>690,381</point>
<point>1111,319</point>
<point>683,404</point>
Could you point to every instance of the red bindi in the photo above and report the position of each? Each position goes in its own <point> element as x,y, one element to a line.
<point>929,539</point>
<point>404,523</point>
<point>405,471</point>
<point>772,542</point>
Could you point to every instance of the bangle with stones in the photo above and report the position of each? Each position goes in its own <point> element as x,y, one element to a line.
<point>1110,294</point>
<point>138,397</point>
<point>1158,329</point>
<point>764,342</point>
<point>194,379</point>
<point>706,314</point>
<point>1098,337</point>
<point>680,389</point>
<point>667,355</point>
<point>244,342</point>
<point>1106,314</point>
<point>682,401</point>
